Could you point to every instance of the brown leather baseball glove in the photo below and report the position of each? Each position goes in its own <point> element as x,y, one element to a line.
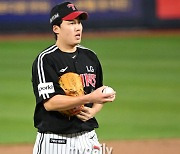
<point>72,85</point>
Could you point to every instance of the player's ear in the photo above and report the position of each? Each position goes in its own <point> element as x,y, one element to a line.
<point>56,29</point>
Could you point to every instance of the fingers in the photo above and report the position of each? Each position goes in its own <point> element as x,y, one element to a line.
<point>98,96</point>
<point>85,114</point>
<point>83,118</point>
<point>109,95</point>
<point>85,110</point>
<point>102,88</point>
<point>110,99</point>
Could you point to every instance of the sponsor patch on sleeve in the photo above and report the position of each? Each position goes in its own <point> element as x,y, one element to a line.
<point>46,88</point>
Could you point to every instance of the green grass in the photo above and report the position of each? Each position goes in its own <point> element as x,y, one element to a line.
<point>145,72</point>
<point>16,98</point>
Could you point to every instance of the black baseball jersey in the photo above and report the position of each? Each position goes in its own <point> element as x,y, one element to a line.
<point>47,68</point>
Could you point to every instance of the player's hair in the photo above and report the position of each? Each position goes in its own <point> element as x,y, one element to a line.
<point>57,23</point>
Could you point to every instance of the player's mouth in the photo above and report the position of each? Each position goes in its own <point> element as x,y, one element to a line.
<point>78,36</point>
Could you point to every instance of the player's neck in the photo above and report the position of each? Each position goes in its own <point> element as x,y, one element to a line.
<point>66,47</point>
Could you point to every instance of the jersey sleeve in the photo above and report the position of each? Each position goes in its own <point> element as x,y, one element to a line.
<point>44,80</point>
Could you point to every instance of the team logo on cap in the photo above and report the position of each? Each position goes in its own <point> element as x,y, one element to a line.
<point>71,6</point>
<point>54,17</point>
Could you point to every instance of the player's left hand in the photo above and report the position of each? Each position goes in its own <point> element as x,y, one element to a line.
<point>86,113</point>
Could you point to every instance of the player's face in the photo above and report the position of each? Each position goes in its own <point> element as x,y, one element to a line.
<point>70,32</point>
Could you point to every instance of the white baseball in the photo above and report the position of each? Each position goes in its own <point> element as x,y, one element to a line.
<point>107,90</point>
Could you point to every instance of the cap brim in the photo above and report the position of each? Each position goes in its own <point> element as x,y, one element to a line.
<point>81,14</point>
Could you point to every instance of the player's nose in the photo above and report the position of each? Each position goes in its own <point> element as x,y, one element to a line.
<point>78,27</point>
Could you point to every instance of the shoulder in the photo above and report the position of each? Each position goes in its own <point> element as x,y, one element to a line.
<point>46,53</point>
<point>86,50</point>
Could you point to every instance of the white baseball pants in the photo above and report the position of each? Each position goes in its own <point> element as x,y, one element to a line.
<point>77,143</point>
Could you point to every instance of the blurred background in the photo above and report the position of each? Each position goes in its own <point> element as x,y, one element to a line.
<point>33,16</point>
<point>140,59</point>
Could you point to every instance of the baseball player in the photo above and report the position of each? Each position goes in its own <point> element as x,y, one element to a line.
<point>57,133</point>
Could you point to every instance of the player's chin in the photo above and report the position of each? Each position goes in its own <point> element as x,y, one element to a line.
<point>77,42</point>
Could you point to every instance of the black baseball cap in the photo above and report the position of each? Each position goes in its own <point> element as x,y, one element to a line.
<point>66,11</point>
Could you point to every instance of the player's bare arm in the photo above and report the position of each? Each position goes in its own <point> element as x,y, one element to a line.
<point>88,113</point>
<point>63,102</point>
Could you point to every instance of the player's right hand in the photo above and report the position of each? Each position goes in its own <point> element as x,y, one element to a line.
<point>98,96</point>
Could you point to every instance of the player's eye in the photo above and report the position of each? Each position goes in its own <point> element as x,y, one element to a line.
<point>79,22</point>
<point>71,22</point>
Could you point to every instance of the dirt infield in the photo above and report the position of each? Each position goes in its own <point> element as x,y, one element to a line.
<point>163,146</point>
